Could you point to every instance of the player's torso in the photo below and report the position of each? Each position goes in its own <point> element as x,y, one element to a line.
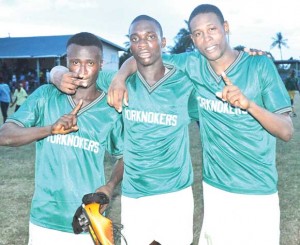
<point>156,135</point>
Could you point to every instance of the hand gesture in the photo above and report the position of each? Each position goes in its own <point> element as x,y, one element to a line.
<point>233,95</point>
<point>67,81</point>
<point>67,123</point>
<point>117,94</point>
<point>71,81</point>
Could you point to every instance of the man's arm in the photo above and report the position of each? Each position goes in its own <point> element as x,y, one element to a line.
<point>12,134</point>
<point>115,179</point>
<point>279,125</point>
<point>117,92</point>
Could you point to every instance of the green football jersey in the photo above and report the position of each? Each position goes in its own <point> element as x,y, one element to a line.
<point>156,135</point>
<point>238,153</point>
<point>68,166</point>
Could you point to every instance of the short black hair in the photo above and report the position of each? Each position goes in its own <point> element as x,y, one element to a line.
<point>85,39</point>
<point>148,18</point>
<point>206,8</point>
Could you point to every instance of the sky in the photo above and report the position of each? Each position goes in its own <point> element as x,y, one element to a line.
<point>252,23</point>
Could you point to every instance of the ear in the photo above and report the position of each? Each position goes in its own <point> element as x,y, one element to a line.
<point>226,27</point>
<point>163,42</point>
<point>192,37</point>
<point>101,64</point>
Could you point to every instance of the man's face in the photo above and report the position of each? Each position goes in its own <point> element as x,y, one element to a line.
<point>85,61</point>
<point>209,35</point>
<point>145,42</point>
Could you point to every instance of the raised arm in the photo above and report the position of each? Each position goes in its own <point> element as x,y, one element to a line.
<point>117,93</point>
<point>12,134</point>
<point>279,125</point>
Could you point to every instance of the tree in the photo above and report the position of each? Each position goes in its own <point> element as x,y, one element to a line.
<point>183,41</point>
<point>127,54</point>
<point>279,41</point>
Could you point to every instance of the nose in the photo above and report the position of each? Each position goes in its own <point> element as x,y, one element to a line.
<point>207,36</point>
<point>82,70</point>
<point>142,43</point>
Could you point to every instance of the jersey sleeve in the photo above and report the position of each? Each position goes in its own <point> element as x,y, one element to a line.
<point>28,115</point>
<point>178,60</point>
<point>104,79</point>
<point>274,93</point>
<point>115,139</point>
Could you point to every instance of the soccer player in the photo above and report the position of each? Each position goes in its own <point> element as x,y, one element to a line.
<point>243,108</point>
<point>72,134</point>
<point>157,200</point>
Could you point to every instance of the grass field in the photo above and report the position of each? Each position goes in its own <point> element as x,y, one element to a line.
<point>17,182</point>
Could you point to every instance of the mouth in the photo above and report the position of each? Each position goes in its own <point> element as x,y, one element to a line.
<point>144,54</point>
<point>211,49</point>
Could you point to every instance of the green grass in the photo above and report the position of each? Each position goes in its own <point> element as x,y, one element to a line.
<point>17,183</point>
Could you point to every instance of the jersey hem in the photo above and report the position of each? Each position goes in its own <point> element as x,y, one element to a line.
<point>140,195</point>
<point>238,190</point>
<point>50,226</point>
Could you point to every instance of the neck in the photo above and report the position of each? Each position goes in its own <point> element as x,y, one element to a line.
<point>152,73</point>
<point>220,65</point>
<point>88,95</point>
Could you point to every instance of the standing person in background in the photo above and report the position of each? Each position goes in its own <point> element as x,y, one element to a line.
<point>243,107</point>
<point>72,134</point>
<point>19,96</point>
<point>291,84</point>
<point>5,98</point>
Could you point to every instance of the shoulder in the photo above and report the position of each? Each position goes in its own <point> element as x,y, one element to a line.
<point>45,92</point>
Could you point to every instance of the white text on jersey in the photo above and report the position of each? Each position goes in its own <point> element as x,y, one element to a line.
<point>151,117</point>
<point>74,141</point>
<point>219,106</point>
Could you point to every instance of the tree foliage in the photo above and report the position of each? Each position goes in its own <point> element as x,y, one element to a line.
<point>183,41</point>
<point>280,42</point>
<point>127,54</point>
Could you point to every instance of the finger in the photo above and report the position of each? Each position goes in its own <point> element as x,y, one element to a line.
<point>103,208</point>
<point>77,108</point>
<point>117,101</point>
<point>219,95</point>
<point>79,82</point>
<point>226,79</point>
<point>110,96</point>
<point>67,131</point>
<point>76,80</point>
<point>125,99</point>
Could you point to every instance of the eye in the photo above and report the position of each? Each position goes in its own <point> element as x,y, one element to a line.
<point>134,39</point>
<point>91,63</point>
<point>151,37</point>
<point>75,62</point>
<point>197,34</point>
<point>212,29</point>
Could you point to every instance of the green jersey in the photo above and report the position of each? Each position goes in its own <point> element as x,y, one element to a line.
<point>156,136</point>
<point>68,166</point>
<point>238,153</point>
